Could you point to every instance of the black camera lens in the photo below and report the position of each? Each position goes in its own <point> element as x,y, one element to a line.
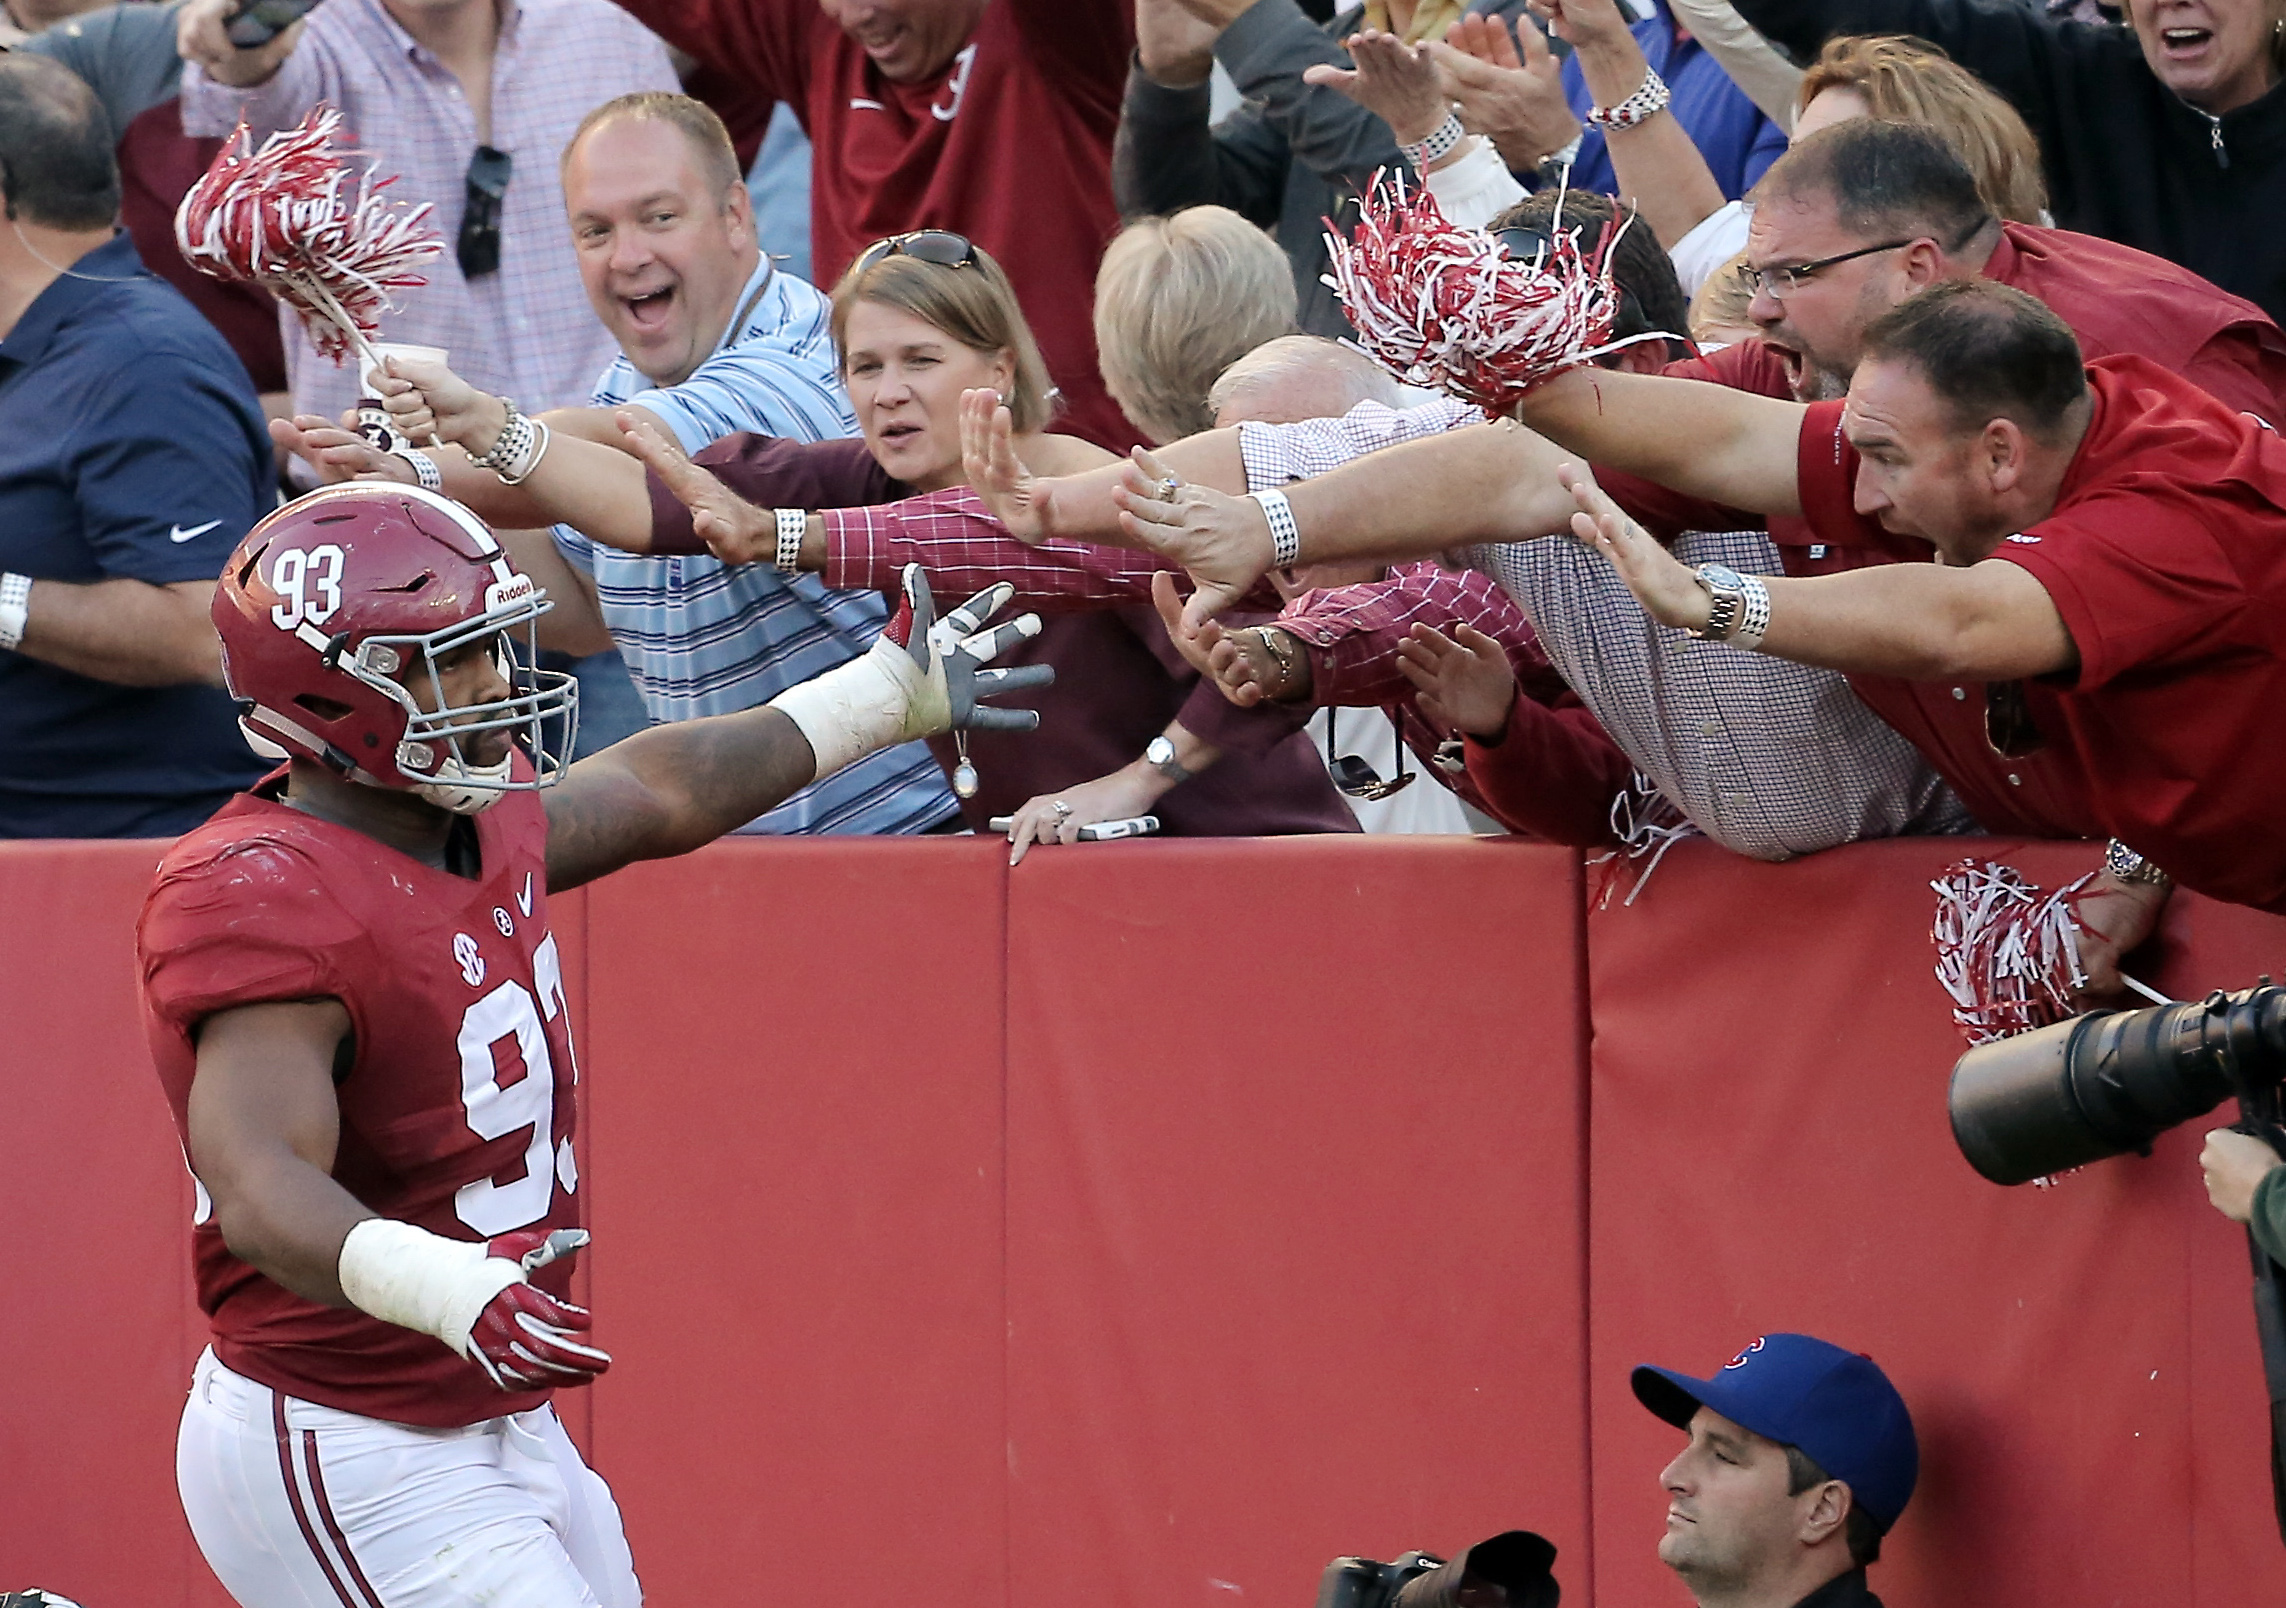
<point>2104,1085</point>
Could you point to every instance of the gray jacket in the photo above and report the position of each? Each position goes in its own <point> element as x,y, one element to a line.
<point>1291,156</point>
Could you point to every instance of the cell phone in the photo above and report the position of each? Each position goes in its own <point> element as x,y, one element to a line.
<point>1100,832</point>
<point>257,22</point>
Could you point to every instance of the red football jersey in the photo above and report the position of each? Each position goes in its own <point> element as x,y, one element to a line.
<point>457,1111</point>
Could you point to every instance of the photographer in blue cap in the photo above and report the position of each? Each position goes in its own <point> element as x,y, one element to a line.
<point>1801,1458</point>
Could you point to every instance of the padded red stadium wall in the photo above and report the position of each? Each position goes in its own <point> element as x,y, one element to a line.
<point>1154,1223</point>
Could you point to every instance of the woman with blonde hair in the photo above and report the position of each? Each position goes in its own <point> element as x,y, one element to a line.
<point>1178,300</point>
<point>917,320</point>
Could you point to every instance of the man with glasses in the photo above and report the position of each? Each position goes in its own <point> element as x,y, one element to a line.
<point>1860,216</point>
<point>468,102</point>
<point>2100,650</point>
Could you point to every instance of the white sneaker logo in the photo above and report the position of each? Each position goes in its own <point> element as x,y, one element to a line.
<point>178,534</point>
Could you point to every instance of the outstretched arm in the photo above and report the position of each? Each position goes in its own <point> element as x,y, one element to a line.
<point>1923,622</point>
<point>1078,507</point>
<point>670,789</point>
<point>1705,440</point>
<point>1490,482</point>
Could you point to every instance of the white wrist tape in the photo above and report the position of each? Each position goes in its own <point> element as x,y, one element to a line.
<point>875,701</point>
<point>419,1280</point>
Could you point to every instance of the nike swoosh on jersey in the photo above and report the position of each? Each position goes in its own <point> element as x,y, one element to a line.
<point>524,899</point>
<point>178,534</point>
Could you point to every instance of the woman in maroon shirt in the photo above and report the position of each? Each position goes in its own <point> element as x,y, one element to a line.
<point>919,319</point>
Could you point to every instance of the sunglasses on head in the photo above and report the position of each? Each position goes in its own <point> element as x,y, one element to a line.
<point>939,246</point>
<point>1353,775</point>
<point>479,246</point>
<point>1526,241</point>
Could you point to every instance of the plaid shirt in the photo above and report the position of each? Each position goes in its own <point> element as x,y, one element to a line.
<point>526,331</point>
<point>1349,632</point>
<point>1769,758</point>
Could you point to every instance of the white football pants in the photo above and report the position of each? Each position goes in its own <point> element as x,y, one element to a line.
<point>301,1506</point>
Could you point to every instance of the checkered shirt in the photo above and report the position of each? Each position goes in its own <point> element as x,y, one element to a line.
<point>526,331</point>
<point>1769,758</point>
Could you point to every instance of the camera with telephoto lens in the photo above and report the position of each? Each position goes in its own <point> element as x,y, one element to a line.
<point>2106,1084</point>
<point>2109,1083</point>
<point>1363,1583</point>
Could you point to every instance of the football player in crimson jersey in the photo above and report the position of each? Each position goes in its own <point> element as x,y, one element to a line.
<point>358,1014</point>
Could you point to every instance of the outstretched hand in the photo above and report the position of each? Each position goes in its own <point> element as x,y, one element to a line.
<point>1223,541</point>
<point>1662,583</point>
<point>1396,81</point>
<point>1464,680</point>
<point>337,454</point>
<point>1196,643</point>
<point>1011,492</point>
<point>734,529</point>
<point>949,654</point>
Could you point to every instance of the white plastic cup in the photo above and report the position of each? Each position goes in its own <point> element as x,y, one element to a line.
<point>404,352</point>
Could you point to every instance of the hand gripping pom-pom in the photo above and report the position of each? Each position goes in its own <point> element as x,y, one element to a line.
<point>295,220</point>
<point>2008,954</point>
<point>1448,308</point>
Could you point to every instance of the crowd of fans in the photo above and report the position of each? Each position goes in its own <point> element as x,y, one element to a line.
<point>1111,216</point>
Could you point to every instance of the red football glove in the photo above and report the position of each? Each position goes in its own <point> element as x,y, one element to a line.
<point>526,1339</point>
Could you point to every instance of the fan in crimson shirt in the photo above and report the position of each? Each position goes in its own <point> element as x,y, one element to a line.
<point>991,118</point>
<point>2112,544</point>
<point>2110,549</point>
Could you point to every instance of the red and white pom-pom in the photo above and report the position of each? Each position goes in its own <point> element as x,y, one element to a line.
<point>1447,308</point>
<point>2008,954</point>
<point>295,220</point>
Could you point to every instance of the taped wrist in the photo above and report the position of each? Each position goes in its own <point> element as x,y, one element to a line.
<point>857,708</point>
<point>419,1280</point>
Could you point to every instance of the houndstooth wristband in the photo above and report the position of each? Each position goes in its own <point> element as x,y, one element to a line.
<point>520,465</point>
<point>793,525</point>
<point>1648,101</point>
<point>1753,617</point>
<point>424,467</point>
<point>15,608</point>
<point>1440,143</point>
<point>1285,535</point>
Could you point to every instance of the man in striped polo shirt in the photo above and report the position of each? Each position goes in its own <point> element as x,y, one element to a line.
<point>713,339</point>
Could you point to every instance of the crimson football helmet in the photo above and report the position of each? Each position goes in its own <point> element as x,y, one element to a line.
<point>336,602</point>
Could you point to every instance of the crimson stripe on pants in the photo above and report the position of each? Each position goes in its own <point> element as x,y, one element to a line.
<point>301,1513</point>
<point>332,1524</point>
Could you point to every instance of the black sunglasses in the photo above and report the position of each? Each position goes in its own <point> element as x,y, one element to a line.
<point>1526,242</point>
<point>1354,776</point>
<point>479,245</point>
<point>939,246</point>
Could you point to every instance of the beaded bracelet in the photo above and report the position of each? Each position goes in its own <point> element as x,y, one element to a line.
<point>1650,99</point>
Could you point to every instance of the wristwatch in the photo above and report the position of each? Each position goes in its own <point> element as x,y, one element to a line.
<point>1741,611</point>
<point>1159,754</point>
<point>2128,866</point>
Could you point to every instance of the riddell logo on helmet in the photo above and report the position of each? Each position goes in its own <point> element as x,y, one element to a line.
<point>500,594</point>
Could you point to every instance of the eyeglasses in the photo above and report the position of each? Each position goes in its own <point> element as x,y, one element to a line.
<point>479,245</point>
<point>1525,242</point>
<point>1353,775</point>
<point>1781,282</point>
<point>2010,731</point>
<point>940,246</point>
<point>1787,278</point>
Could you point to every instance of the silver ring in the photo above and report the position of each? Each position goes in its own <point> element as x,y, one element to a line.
<point>1168,486</point>
<point>1063,810</point>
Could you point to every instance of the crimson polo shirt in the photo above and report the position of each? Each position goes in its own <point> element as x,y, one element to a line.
<point>2118,301</point>
<point>2166,556</point>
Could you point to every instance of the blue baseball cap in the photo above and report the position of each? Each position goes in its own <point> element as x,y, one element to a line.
<point>1835,1405</point>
